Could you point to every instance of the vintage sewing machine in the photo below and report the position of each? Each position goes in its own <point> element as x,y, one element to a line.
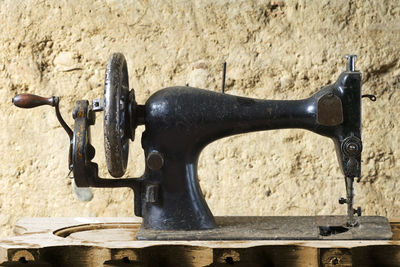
<point>180,121</point>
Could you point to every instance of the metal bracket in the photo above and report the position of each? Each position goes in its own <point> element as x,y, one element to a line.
<point>84,170</point>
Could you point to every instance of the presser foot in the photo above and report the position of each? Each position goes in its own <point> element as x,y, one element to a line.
<point>351,220</point>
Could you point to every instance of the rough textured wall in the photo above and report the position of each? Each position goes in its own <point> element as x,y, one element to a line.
<point>274,50</point>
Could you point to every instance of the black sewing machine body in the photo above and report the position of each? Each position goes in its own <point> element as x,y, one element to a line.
<point>180,121</point>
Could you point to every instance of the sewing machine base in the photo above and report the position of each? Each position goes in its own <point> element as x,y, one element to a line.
<point>281,228</point>
<point>94,241</point>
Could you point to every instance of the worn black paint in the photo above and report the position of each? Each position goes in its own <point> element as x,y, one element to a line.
<point>181,121</point>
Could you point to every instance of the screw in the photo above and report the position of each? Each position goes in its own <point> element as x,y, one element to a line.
<point>155,160</point>
<point>352,148</point>
<point>350,62</point>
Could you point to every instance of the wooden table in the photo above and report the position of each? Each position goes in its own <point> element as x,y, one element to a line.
<point>111,242</point>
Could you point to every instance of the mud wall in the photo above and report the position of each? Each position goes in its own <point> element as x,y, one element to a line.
<point>274,50</point>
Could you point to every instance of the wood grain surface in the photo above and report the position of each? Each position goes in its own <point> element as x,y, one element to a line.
<point>35,243</point>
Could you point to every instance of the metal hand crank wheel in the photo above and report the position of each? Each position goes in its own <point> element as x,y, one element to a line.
<point>116,115</point>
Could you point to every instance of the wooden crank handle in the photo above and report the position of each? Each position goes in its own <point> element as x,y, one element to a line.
<point>32,101</point>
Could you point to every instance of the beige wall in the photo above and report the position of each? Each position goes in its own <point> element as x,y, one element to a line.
<point>275,50</point>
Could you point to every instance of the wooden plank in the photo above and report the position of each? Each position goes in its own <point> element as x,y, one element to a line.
<point>329,227</point>
<point>38,224</point>
<point>37,243</point>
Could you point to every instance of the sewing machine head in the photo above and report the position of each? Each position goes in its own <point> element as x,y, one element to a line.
<point>180,121</point>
